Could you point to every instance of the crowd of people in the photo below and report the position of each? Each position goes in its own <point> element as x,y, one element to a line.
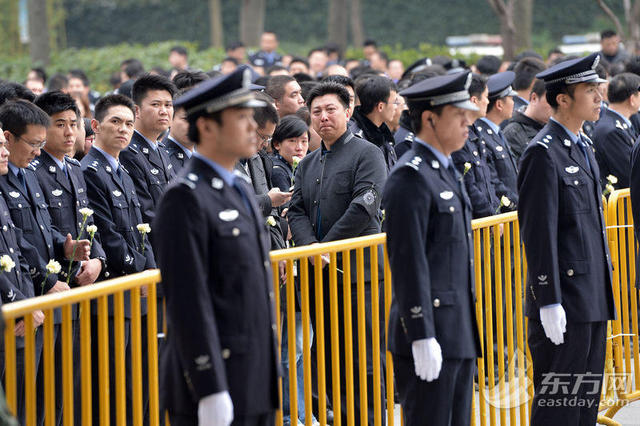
<point>84,176</point>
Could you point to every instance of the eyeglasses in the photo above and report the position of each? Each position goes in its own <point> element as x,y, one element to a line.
<point>265,139</point>
<point>33,145</point>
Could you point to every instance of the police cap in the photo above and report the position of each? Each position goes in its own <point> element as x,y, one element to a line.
<point>231,90</point>
<point>499,85</point>
<point>450,89</point>
<point>574,71</point>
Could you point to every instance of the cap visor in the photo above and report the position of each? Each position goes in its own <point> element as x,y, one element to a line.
<point>466,105</point>
<point>253,103</point>
<point>512,93</point>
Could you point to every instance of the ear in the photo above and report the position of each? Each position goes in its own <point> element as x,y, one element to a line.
<point>380,106</point>
<point>95,126</point>
<point>347,112</point>
<point>137,108</point>
<point>8,135</point>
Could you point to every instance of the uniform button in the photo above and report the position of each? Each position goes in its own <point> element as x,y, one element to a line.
<point>315,202</point>
<point>273,327</point>
<point>436,303</point>
<point>226,353</point>
<point>318,181</point>
<point>19,205</point>
<point>42,227</point>
<point>49,245</point>
<point>10,249</point>
<point>451,209</point>
<point>271,295</point>
<point>235,232</point>
<point>575,182</point>
<point>106,274</point>
<point>570,272</point>
<point>77,203</point>
<point>132,228</point>
<point>266,263</point>
<point>468,234</point>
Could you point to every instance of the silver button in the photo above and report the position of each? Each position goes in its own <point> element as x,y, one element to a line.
<point>19,205</point>
<point>271,295</point>
<point>226,353</point>
<point>273,326</point>
<point>436,302</point>
<point>575,182</point>
<point>570,272</point>
<point>235,232</point>
<point>42,227</point>
<point>266,263</point>
<point>10,249</point>
<point>451,209</point>
<point>106,274</point>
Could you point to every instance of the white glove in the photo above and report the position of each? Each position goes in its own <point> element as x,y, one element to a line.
<point>554,323</point>
<point>215,410</point>
<point>427,358</point>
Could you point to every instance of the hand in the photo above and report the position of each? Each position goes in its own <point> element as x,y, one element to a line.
<point>282,268</point>
<point>554,323</point>
<point>215,410</point>
<point>427,358</point>
<point>38,319</point>
<point>82,250</point>
<point>278,198</point>
<point>58,287</point>
<point>89,272</point>
<point>144,291</point>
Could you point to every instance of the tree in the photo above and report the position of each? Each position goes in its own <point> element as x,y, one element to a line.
<point>630,37</point>
<point>357,29</point>
<point>215,24</point>
<point>39,47</point>
<point>337,23</point>
<point>252,21</point>
<point>508,13</point>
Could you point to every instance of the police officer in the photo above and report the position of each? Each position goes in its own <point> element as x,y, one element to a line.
<point>500,108</point>
<point>433,334</point>
<point>147,163</point>
<point>472,161</point>
<point>177,145</point>
<point>614,135</point>
<point>220,362</point>
<point>569,295</point>
<point>117,212</point>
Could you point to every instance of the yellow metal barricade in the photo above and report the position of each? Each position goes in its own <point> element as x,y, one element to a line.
<point>622,380</point>
<point>77,311</point>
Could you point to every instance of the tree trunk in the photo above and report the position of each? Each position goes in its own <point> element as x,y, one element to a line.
<point>357,29</point>
<point>522,15</point>
<point>38,32</point>
<point>508,39</point>
<point>215,24</point>
<point>252,21</point>
<point>337,23</point>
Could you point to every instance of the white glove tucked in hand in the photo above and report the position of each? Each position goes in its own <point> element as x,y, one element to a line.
<point>215,410</point>
<point>554,322</point>
<point>427,358</point>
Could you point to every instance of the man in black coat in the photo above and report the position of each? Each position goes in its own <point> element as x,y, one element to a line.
<point>337,196</point>
<point>569,295</point>
<point>433,333</point>
<point>614,135</point>
<point>220,362</point>
<point>117,213</point>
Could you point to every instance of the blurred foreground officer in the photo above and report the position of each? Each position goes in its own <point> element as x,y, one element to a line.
<point>569,296</point>
<point>220,362</point>
<point>433,333</point>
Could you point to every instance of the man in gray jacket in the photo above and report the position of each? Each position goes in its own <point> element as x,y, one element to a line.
<point>336,196</point>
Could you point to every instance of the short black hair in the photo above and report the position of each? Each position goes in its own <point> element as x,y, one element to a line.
<point>538,88</point>
<point>180,50</point>
<point>133,68</point>
<point>329,88</point>
<point>273,68</point>
<point>58,82</point>
<point>290,126</point>
<point>275,85</point>
<point>361,70</point>
<point>306,87</point>
<point>188,79</point>
<point>10,91</point>
<point>230,59</point>
<point>622,86</point>
<point>488,64</point>
<point>415,113</point>
<point>553,90</point>
<point>151,82</point>
<point>333,48</point>
<point>41,73</point>
<point>478,84</point>
<point>17,115</point>
<point>299,59</point>
<point>369,42</point>
<point>526,70</point>
<point>267,113</point>
<point>79,74</point>
<point>234,45</point>
<point>633,65</point>
<point>372,91</point>
<point>316,49</point>
<point>55,102</point>
<point>302,77</point>
<point>607,34</point>
<point>340,79</point>
<point>103,105</point>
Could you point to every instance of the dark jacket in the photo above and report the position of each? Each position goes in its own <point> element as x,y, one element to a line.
<point>563,230</point>
<point>217,277</point>
<point>177,157</point>
<point>117,213</point>
<point>362,127</point>
<point>337,195</point>
<point>520,130</point>
<point>502,160</point>
<point>404,135</point>
<point>65,196</point>
<point>430,245</point>
<point>613,141</point>
<point>635,200</point>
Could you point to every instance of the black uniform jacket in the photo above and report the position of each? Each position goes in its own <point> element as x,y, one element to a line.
<point>563,230</point>
<point>502,160</point>
<point>176,154</point>
<point>337,195</point>
<point>217,280</point>
<point>428,225</point>
<point>613,141</point>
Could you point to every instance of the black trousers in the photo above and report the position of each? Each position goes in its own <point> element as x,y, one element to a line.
<point>567,378</point>
<point>445,401</point>
<point>354,355</point>
<point>267,419</point>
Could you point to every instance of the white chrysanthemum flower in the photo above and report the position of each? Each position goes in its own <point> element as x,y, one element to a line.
<point>143,228</point>
<point>6,263</point>
<point>53,267</point>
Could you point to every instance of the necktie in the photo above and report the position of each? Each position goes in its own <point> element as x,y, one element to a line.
<point>22,180</point>
<point>583,147</point>
<point>238,187</point>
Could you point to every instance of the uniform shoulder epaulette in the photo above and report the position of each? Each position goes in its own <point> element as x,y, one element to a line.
<point>124,168</point>
<point>416,161</point>
<point>189,180</point>
<point>359,134</point>
<point>94,165</point>
<point>410,136</point>
<point>35,163</point>
<point>31,167</point>
<point>586,138</point>
<point>546,140</point>
<point>72,160</point>
<point>133,148</point>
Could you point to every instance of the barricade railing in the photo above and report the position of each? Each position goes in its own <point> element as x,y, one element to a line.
<point>102,304</point>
